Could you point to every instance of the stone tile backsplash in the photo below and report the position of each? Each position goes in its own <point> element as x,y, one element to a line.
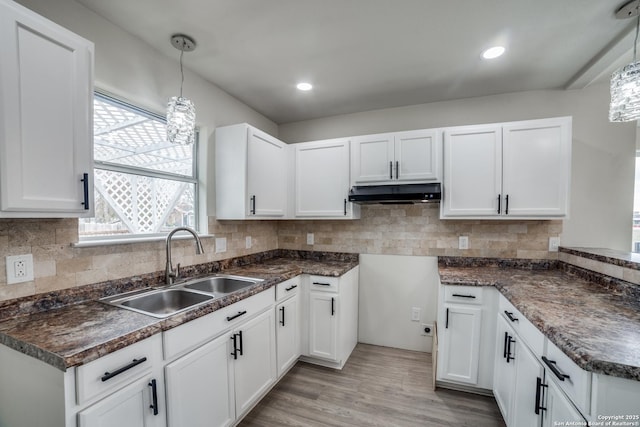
<point>382,229</point>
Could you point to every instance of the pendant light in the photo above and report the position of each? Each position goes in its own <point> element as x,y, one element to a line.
<point>625,82</point>
<point>181,113</point>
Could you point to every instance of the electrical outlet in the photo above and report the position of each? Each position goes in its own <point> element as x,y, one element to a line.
<point>426,330</point>
<point>221,244</point>
<point>19,268</point>
<point>415,314</point>
<point>310,239</point>
<point>554,242</point>
<point>247,242</point>
<point>463,242</point>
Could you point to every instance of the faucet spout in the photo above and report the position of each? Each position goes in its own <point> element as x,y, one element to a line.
<point>170,274</point>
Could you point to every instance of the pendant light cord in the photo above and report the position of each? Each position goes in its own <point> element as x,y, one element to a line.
<point>184,43</point>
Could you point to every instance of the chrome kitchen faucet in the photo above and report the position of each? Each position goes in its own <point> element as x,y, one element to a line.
<point>169,274</point>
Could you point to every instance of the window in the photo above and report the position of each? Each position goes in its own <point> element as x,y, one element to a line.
<point>143,185</point>
<point>636,208</point>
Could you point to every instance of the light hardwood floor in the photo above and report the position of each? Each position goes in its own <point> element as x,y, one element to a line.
<point>378,386</point>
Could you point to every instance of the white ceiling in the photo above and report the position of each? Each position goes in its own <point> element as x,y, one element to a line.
<point>368,54</point>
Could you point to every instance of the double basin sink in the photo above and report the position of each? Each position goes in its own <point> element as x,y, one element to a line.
<point>165,302</point>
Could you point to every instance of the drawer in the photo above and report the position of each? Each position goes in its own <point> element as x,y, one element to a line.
<point>531,335</point>
<point>190,335</point>
<point>324,283</point>
<point>573,380</point>
<point>463,294</point>
<point>117,369</point>
<point>287,288</point>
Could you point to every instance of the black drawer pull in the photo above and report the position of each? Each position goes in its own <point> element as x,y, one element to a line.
<point>510,316</point>
<point>85,190</point>
<point>108,375</point>
<point>290,288</point>
<point>234,338</point>
<point>509,356</point>
<point>282,320</point>
<point>240,349</point>
<point>390,170</point>
<point>240,313</point>
<point>499,209</point>
<point>463,296</point>
<point>345,206</point>
<point>253,205</point>
<point>154,397</point>
<point>552,365</point>
<point>333,306</point>
<point>322,284</point>
<point>446,322</point>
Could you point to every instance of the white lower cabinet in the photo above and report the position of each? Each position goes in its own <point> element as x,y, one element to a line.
<point>526,408</point>
<point>200,386</point>
<point>323,325</point>
<point>504,372</point>
<point>287,333</point>
<point>466,333</point>
<point>558,408</point>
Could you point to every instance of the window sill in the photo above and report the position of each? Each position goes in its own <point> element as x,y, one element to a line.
<point>128,241</point>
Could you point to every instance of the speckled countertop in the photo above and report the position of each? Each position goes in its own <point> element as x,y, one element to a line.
<point>593,319</point>
<point>70,328</point>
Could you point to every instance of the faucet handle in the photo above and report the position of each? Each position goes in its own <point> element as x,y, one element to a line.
<point>177,272</point>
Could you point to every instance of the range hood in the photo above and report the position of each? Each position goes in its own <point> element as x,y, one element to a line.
<point>395,194</point>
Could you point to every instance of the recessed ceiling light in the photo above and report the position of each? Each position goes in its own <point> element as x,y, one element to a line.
<point>304,86</point>
<point>493,52</point>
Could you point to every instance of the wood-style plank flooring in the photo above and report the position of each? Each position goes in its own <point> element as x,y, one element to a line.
<point>378,386</point>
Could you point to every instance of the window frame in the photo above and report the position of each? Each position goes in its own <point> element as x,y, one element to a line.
<point>141,171</point>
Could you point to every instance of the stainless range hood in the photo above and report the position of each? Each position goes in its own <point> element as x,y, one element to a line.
<point>395,194</point>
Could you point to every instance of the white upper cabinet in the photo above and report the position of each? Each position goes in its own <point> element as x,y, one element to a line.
<point>508,170</point>
<point>322,180</point>
<point>46,104</point>
<point>408,157</point>
<point>250,174</point>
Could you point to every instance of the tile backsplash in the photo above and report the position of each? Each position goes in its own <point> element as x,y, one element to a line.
<point>382,229</point>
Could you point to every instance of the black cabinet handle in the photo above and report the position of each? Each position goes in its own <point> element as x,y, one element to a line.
<point>510,316</point>
<point>333,306</point>
<point>390,170</point>
<point>446,322</point>
<point>463,296</point>
<point>240,336</point>
<point>509,356</point>
<point>282,319</point>
<point>506,208</point>
<point>291,288</point>
<point>552,365</point>
<point>499,207</point>
<point>154,397</point>
<point>345,207</point>
<point>108,375</point>
<point>235,346</point>
<point>322,284</point>
<point>504,349</point>
<point>397,169</point>
<point>85,183</point>
<point>253,204</point>
<point>538,404</point>
<point>240,313</point>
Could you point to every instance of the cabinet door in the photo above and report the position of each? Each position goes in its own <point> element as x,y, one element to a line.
<point>460,344</point>
<point>127,407</point>
<point>472,171</point>
<point>504,374</point>
<point>322,178</point>
<point>372,158</point>
<point>323,325</point>
<point>287,333</point>
<point>528,370</point>
<point>416,156</point>
<point>536,167</point>
<point>200,387</point>
<point>46,104</point>
<point>266,175</point>
<point>559,409</point>
<point>255,366</point>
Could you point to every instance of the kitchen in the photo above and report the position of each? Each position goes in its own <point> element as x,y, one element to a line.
<point>602,159</point>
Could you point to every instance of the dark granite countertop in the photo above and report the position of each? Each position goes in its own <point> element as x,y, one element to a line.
<point>79,331</point>
<point>593,319</point>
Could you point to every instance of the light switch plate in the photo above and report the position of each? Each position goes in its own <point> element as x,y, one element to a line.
<point>247,242</point>
<point>310,239</point>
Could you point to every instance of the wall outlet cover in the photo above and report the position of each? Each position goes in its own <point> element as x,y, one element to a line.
<point>247,242</point>
<point>426,329</point>
<point>554,243</point>
<point>463,242</point>
<point>221,244</point>
<point>19,268</point>
<point>310,238</point>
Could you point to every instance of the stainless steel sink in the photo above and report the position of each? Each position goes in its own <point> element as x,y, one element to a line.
<point>221,285</point>
<point>160,302</point>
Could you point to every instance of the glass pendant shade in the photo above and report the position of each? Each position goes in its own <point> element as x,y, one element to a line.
<point>181,120</point>
<point>625,94</point>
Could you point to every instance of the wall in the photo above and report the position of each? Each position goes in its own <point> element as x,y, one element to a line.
<point>127,67</point>
<point>603,153</point>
